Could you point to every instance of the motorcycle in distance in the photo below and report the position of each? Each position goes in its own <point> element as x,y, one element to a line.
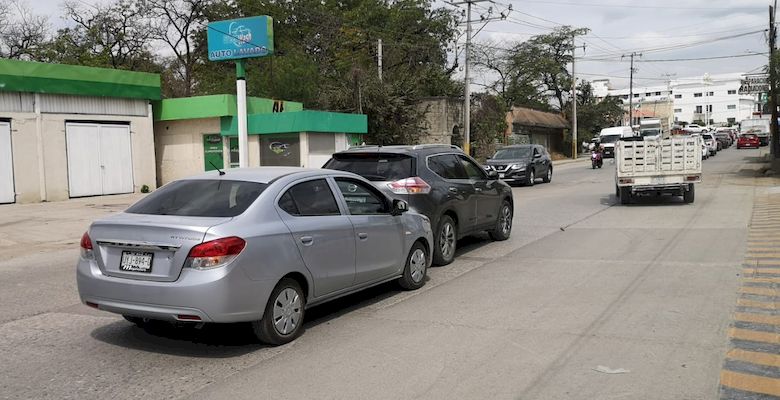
<point>596,158</point>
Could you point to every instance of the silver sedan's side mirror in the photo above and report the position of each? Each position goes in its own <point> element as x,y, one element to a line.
<point>399,207</point>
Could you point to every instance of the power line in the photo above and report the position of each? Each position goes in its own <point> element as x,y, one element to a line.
<point>633,6</point>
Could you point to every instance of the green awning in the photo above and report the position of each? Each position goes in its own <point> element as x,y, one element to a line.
<point>37,77</point>
<point>219,105</point>
<point>302,121</point>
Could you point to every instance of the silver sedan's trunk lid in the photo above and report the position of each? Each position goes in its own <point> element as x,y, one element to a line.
<point>147,247</point>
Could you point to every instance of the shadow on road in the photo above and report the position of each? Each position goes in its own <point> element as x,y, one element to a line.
<point>233,340</point>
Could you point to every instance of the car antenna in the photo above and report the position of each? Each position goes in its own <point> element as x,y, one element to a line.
<point>221,172</point>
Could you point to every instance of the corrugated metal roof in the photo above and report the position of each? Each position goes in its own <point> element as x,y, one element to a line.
<point>528,117</point>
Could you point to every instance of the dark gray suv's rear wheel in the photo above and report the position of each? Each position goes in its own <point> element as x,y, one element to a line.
<point>446,241</point>
<point>504,223</point>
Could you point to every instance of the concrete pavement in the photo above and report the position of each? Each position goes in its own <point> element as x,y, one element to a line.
<point>583,288</point>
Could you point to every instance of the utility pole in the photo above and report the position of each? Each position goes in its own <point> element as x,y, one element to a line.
<point>773,128</point>
<point>574,138</point>
<point>631,88</point>
<point>467,91</point>
<point>379,58</point>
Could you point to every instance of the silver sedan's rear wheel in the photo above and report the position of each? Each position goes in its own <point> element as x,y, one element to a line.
<point>283,317</point>
<point>415,269</point>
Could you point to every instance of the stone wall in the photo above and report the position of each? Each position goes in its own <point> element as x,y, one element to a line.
<point>443,121</point>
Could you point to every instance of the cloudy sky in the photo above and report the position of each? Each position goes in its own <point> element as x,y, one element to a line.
<point>660,30</point>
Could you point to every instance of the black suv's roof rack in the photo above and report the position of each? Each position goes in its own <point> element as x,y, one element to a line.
<point>434,145</point>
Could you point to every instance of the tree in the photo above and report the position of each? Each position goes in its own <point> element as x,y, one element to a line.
<point>174,22</point>
<point>488,124</point>
<point>533,73</point>
<point>594,114</point>
<point>22,33</point>
<point>325,57</point>
<point>114,35</point>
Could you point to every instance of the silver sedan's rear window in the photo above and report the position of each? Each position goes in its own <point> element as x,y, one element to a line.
<point>200,198</point>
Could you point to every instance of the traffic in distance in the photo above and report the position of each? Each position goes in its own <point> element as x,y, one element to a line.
<point>187,252</point>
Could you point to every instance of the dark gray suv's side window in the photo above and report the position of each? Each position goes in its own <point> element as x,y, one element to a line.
<point>472,170</point>
<point>447,166</point>
<point>308,199</point>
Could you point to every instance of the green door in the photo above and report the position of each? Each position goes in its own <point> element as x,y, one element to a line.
<point>212,152</point>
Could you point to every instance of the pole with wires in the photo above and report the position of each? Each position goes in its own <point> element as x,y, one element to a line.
<point>467,56</point>
<point>773,126</point>
<point>631,88</point>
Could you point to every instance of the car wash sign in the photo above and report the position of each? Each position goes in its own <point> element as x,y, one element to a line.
<point>754,84</point>
<point>241,38</point>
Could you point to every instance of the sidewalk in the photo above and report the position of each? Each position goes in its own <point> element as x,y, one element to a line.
<point>40,227</point>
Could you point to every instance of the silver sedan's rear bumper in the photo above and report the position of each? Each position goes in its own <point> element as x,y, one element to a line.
<point>222,294</point>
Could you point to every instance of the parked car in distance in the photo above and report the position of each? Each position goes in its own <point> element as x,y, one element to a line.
<point>254,244</point>
<point>711,142</point>
<point>724,138</point>
<point>438,181</point>
<point>523,163</point>
<point>748,140</point>
<point>693,128</point>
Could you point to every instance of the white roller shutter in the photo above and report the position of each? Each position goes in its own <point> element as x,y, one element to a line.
<point>7,194</point>
<point>99,159</point>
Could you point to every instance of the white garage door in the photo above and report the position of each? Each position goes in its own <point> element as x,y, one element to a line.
<point>6,165</point>
<point>99,159</point>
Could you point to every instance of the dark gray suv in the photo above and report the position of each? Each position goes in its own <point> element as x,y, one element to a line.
<point>523,163</point>
<point>438,181</point>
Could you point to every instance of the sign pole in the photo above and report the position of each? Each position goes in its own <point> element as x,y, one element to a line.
<point>243,138</point>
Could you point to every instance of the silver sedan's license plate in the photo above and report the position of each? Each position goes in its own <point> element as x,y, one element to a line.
<point>136,261</point>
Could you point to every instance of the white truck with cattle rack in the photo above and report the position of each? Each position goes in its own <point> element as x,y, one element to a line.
<point>663,166</point>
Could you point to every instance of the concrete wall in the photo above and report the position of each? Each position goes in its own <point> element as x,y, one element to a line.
<point>179,147</point>
<point>441,116</point>
<point>40,155</point>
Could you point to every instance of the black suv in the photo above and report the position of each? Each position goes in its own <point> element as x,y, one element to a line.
<point>440,182</point>
<point>524,163</point>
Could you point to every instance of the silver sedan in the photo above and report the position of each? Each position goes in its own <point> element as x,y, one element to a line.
<point>256,245</point>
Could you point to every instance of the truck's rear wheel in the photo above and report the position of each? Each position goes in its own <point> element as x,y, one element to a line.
<point>625,195</point>
<point>689,195</point>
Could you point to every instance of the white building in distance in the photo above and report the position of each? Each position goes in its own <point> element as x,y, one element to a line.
<point>708,99</point>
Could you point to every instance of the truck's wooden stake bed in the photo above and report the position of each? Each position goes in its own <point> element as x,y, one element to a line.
<point>664,166</point>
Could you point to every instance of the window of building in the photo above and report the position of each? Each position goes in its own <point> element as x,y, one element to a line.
<point>698,109</point>
<point>710,93</point>
<point>678,96</point>
<point>657,93</point>
<point>697,95</point>
<point>636,95</point>
<point>731,121</point>
<point>709,107</point>
<point>732,107</point>
<point>648,94</point>
<point>678,110</point>
<point>732,91</point>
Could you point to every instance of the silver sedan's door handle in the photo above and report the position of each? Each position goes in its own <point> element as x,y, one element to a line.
<point>307,240</point>
<point>363,236</point>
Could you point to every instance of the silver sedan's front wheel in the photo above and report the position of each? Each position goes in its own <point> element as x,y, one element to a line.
<point>416,268</point>
<point>283,317</point>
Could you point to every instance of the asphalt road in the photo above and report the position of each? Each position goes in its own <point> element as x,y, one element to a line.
<point>583,289</point>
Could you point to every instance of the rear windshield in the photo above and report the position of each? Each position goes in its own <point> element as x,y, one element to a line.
<point>609,138</point>
<point>374,166</point>
<point>513,153</point>
<point>200,198</point>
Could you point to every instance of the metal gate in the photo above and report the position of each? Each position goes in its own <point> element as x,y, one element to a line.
<point>7,194</point>
<point>99,159</point>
